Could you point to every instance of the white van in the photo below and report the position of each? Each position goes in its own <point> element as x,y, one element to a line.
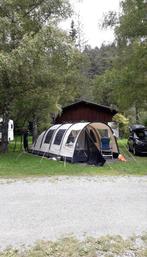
<point>10,130</point>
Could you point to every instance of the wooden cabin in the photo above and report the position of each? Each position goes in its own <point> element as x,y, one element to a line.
<point>85,111</point>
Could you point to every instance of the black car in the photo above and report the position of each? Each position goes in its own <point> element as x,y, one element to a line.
<point>137,141</point>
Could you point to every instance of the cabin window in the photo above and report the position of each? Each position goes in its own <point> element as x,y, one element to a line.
<point>49,136</point>
<point>59,136</point>
<point>72,137</point>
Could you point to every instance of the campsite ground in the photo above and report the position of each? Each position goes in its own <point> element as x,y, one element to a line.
<point>106,207</point>
<point>21,164</point>
<point>84,207</point>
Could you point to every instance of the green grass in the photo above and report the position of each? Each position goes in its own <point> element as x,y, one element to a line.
<point>20,164</point>
<point>106,246</point>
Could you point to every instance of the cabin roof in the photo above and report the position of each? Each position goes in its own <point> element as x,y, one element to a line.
<point>90,104</point>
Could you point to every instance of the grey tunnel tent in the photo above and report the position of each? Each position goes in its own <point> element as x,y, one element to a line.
<point>78,142</point>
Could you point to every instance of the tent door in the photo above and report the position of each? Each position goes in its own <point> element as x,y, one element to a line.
<point>94,156</point>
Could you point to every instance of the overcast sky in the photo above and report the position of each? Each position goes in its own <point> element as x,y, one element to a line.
<point>90,14</point>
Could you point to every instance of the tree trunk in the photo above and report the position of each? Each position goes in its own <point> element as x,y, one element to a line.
<point>137,113</point>
<point>4,143</point>
<point>35,129</point>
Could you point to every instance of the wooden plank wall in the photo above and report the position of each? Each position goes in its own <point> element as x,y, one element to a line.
<point>84,113</point>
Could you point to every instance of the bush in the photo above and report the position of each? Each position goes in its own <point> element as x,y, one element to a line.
<point>123,124</point>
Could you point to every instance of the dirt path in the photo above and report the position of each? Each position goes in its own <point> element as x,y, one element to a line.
<point>49,208</point>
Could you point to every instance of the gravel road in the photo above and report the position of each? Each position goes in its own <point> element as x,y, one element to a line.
<point>49,208</point>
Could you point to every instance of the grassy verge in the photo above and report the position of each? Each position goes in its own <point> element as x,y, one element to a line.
<point>20,164</point>
<point>106,246</point>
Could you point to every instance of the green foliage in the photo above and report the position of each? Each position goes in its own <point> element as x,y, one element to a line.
<point>105,86</point>
<point>49,76</point>
<point>73,31</point>
<point>19,18</point>
<point>132,55</point>
<point>127,79</point>
<point>132,63</point>
<point>89,64</point>
<point>132,21</point>
<point>143,118</point>
<point>110,20</point>
<point>121,119</point>
<point>100,59</point>
<point>34,58</point>
<point>123,123</point>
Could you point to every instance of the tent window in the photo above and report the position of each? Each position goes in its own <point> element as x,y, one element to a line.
<point>49,136</point>
<point>0,126</point>
<point>72,137</point>
<point>81,143</point>
<point>103,132</point>
<point>59,136</point>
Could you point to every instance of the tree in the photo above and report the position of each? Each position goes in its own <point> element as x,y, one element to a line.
<point>100,59</point>
<point>132,58</point>
<point>132,23</point>
<point>76,33</point>
<point>22,53</point>
<point>49,77</point>
<point>104,85</point>
<point>128,75</point>
<point>73,31</point>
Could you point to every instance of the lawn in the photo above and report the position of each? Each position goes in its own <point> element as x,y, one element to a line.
<point>21,164</point>
<point>106,246</point>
